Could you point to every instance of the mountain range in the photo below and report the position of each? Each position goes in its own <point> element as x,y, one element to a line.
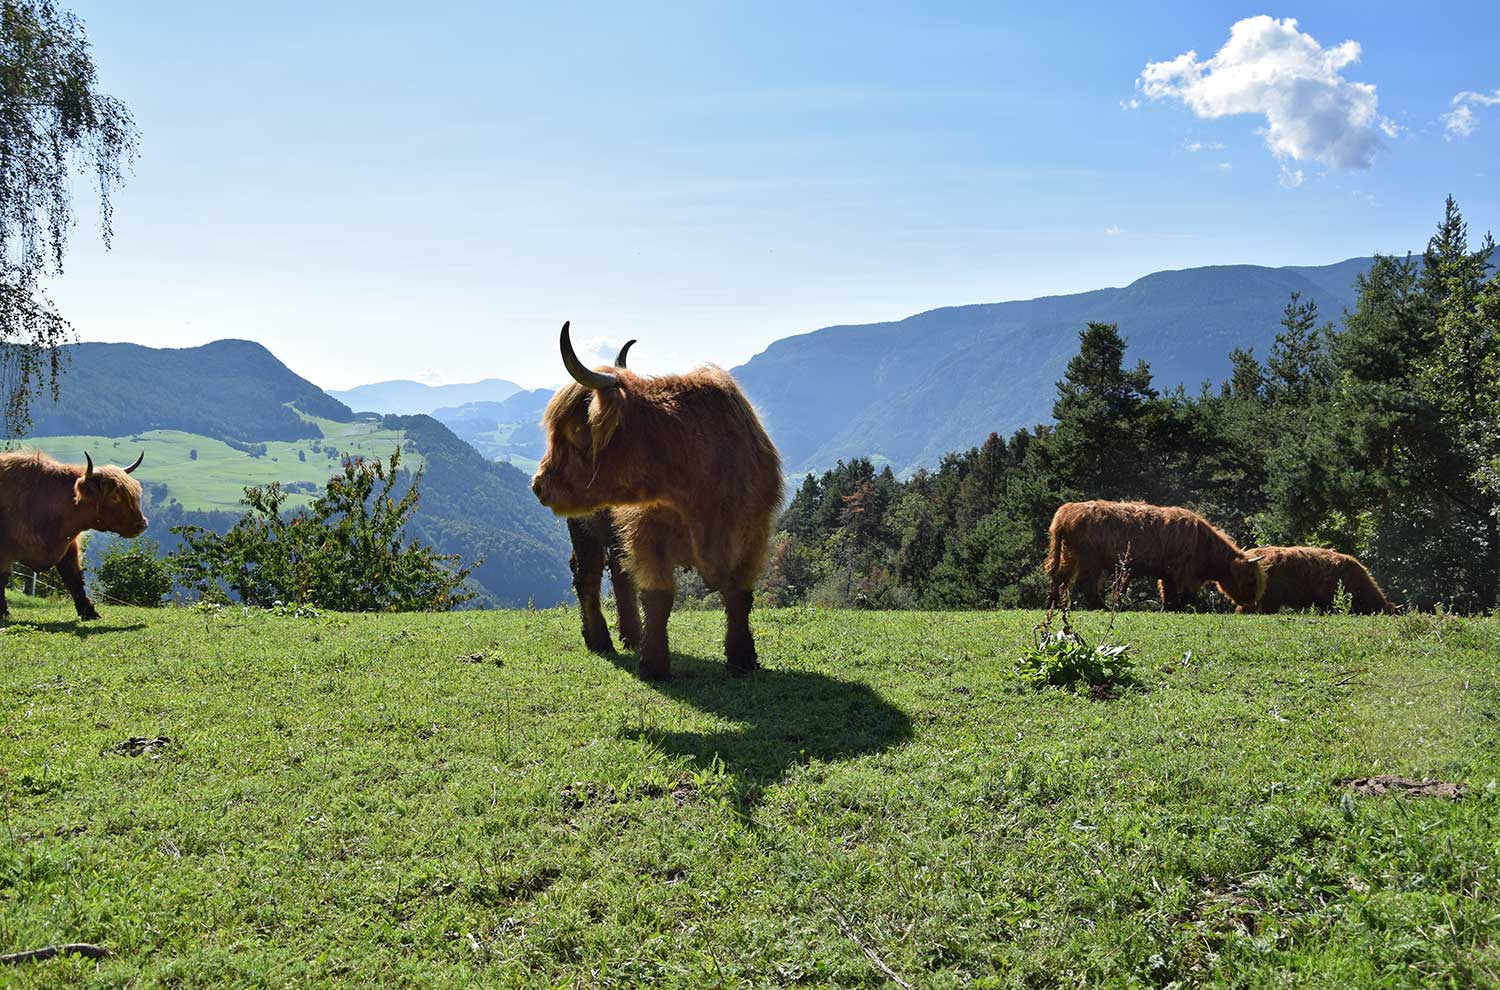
<point>405,398</point>
<point>216,418</point>
<point>908,391</point>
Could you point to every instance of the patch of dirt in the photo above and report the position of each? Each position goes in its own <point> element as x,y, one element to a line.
<point>582,793</point>
<point>1102,692</point>
<point>478,658</point>
<point>1405,786</point>
<point>143,745</point>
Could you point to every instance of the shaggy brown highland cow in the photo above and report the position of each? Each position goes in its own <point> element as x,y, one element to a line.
<point>1176,546</point>
<point>689,476</point>
<point>44,506</point>
<point>1309,577</point>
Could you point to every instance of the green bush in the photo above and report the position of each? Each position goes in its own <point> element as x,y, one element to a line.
<point>134,573</point>
<point>349,551</point>
<point>1063,659</point>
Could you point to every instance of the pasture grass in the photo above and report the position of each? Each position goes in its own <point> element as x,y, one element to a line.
<point>472,800</point>
<point>217,478</point>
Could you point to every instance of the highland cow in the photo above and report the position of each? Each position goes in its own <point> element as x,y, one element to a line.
<point>1310,577</point>
<point>45,506</point>
<point>1179,548</point>
<point>689,476</point>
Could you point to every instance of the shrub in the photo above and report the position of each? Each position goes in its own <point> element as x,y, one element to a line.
<point>134,573</point>
<point>1063,659</point>
<point>348,551</point>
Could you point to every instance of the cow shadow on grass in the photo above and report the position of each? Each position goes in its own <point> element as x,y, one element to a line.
<point>787,718</point>
<point>82,630</point>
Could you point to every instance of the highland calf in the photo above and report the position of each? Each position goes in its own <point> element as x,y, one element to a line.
<point>1310,577</point>
<point>1179,548</point>
<point>44,506</point>
<point>689,476</point>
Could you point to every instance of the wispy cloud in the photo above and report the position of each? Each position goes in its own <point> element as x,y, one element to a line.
<point>1269,68</point>
<point>1112,230</point>
<point>1291,178</point>
<point>1461,121</point>
<point>1197,146</point>
<point>1225,166</point>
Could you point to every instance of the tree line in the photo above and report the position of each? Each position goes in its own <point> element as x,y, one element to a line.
<point>1378,437</point>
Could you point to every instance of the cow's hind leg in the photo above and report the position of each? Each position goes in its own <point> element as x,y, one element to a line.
<point>627,608</point>
<point>739,642</point>
<point>70,569</point>
<point>587,564</point>
<point>4,583</point>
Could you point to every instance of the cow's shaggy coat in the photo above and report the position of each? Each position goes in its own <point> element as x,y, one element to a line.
<point>691,478</point>
<point>44,506</point>
<point>1309,577</point>
<point>1178,547</point>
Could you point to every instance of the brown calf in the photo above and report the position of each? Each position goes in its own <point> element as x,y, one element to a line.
<point>1179,548</point>
<point>690,477</point>
<point>1309,577</point>
<point>44,506</point>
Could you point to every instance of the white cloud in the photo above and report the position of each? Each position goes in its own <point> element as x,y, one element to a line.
<point>1461,121</point>
<point>1291,178</point>
<point>1204,146</point>
<point>594,351</point>
<point>1225,166</point>
<point>1112,230</point>
<point>1268,67</point>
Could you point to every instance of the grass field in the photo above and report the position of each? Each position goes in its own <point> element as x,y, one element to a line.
<point>216,479</point>
<point>472,800</point>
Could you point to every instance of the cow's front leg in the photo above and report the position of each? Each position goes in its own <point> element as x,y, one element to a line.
<point>656,659</point>
<point>4,583</point>
<point>587,564</point>
<point>739,642</point>
<point>70,569</point>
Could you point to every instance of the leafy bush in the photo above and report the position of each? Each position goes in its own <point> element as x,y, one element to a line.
<point>134,573</point>
<point>347,552</point>
<point>1063,659</point>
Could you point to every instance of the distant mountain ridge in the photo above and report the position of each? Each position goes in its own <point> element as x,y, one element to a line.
<point>911,390</point>
<point>408,398</point>
<point>229,390</point>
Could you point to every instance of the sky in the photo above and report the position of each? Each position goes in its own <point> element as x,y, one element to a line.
<point>379,191</point>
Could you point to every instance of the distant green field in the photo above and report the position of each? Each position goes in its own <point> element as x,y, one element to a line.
<point>216,479</point>
<point>472,800</point>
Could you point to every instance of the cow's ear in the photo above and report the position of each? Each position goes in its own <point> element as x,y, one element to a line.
<point>605,412</point>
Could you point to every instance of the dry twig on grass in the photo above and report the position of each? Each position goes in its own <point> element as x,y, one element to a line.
<point>853,936</point>
<point>70,948</point>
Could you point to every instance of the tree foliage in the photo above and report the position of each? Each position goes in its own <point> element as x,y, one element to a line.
<point>52,120</point>
<point>348,551</point>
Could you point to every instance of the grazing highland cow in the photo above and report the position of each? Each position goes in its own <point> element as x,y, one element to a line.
<point>596,543</point>
<point>1309,577</point>
<point>689,475</point>
<point>1178,547</point>
<point>44,506</point>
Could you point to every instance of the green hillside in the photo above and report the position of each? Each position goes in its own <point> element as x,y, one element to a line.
<point>435,801</point>
<point>204,474</point>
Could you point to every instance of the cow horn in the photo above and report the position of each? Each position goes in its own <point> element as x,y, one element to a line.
<point>620,358</point>
<point>1252,560</point>
<point>88,471</point>
<point>131,469</point>
<point>581,374</point>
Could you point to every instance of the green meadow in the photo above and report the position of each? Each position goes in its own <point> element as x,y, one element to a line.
<point>206,474</point>
<point>471,799</point>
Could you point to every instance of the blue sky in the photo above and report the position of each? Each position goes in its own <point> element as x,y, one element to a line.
<point>427,191</point>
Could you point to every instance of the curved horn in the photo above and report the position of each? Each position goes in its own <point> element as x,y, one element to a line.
<point>89,461</point>
<point>131,469</point>
<point>620,358</point>
<point>1252,560</point>
<point>582,375</point>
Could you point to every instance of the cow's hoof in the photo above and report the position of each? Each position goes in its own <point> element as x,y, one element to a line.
<point>743,665</point>
<point>655,669</point>
<point>603,647</point>
<point>92,615</point>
